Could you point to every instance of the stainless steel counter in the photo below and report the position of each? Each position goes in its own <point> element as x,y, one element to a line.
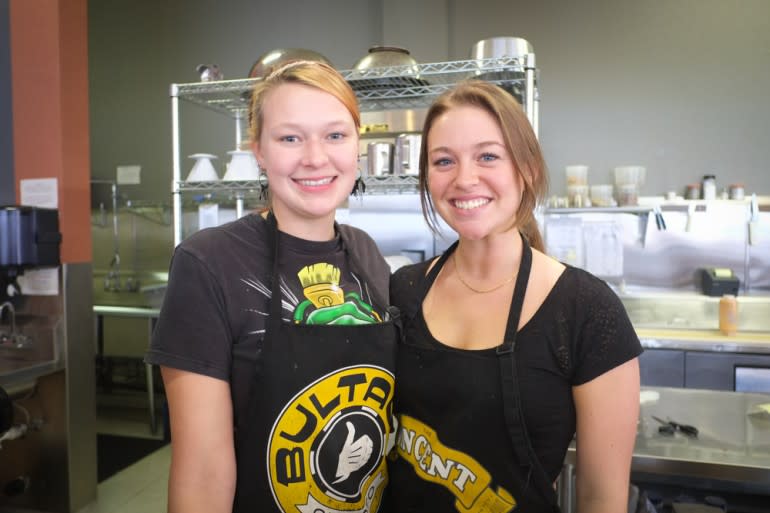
<point>705,340</point>
<point>151,315</point>
<point>732,446</point>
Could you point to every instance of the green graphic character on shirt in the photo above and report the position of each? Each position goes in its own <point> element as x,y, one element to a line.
<point>326,302</point>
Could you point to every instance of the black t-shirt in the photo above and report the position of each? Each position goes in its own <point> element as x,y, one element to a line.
<point>216,302</point>
<point>579,332</point>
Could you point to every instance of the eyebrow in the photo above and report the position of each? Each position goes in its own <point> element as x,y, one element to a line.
<point>482,144</point>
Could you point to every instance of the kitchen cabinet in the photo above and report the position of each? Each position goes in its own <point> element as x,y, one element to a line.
<point>706,369</point>
<point>727,371</point>
<point>662,368</point>
<point>395,88</point>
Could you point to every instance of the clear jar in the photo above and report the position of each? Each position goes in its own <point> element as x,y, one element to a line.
<point>709,187</point>
<point>692,191</point>
<point>736,191</point>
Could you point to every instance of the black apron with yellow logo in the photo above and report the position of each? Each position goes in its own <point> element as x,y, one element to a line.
<point>462,443</point>
<point>319,420</point>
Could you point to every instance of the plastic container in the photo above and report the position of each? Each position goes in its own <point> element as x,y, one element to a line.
<point>692,191</point>
<point>576,175</point>
<point>728,315</point>
<point>627,195</point>
<point>709,187</point>
<point>578,196</point>
<point>601,195</point>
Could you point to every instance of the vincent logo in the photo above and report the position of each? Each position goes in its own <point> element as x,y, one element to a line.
<point>326,449</point>
<point>459,473</point>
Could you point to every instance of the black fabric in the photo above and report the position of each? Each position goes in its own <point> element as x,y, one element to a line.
<point>216,302</point>
<point>579,332</point>
<point>318,439</point>
<point>114,453</point>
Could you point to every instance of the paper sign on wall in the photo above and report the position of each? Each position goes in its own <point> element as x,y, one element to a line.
<point>43,193</point>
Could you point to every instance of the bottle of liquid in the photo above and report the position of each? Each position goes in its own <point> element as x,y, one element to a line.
<point>728,315</point>
<point>709,187</point>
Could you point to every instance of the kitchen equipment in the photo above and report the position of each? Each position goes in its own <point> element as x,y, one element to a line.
<point>669,427</point>
<point>486,50</point>
<point>716,281</point>
<point>385,67</point>
<point>272,60</point>
<point>242,166</point>
<point>203,170</point>
<point>406,160</point>
<point>379,158</point>
<point>209,72</point>
<point>500,48</point>
<point>386,57</point>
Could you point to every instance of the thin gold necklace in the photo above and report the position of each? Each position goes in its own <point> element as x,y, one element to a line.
<point>481,291</point>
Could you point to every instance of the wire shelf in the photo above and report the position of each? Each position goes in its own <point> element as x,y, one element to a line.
<point>392,87</point>
<point>393,184</point>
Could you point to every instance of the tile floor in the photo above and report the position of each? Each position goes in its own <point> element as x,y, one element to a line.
<point>141,487</point>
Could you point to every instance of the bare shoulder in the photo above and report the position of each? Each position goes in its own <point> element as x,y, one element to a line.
<point>545,269</point>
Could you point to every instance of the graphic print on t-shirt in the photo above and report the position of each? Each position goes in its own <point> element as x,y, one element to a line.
<point>326,449</point>
<point>326,302</point>
<point>459,473</point>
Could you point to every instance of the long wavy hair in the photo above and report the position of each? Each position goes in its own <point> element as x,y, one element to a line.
<point>520,142</point>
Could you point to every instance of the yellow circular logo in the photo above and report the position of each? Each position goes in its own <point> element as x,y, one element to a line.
<point>326,449</point>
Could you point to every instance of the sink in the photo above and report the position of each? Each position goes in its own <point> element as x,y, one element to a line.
<point>138,290</point>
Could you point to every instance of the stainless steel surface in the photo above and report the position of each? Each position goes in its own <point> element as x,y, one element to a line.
<point>731,446</point>
<point>272,60</point>
<point>57,455</point>
<point>380,57</point>
<point>692,311</point>
<point>379,159</point>
<point>150,315</point>
<point>500,47</point>
<point>406,159</point>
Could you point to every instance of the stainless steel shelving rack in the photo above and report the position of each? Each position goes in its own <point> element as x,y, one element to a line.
<point>377,89</point>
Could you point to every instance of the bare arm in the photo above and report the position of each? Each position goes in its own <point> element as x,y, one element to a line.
<point>607,413</point>
<point>202,476</point>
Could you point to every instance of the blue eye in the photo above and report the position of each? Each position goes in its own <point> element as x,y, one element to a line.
<point>337,136</point>
<point>289,138</point>
<point>488,157</point>
<point>442,162</point>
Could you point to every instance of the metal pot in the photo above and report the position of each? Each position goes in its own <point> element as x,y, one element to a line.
<point>500,48</point>
<point>274,59</point>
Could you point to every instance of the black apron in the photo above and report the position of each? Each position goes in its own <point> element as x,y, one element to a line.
<point>320,414</point>
<point>481,460</point>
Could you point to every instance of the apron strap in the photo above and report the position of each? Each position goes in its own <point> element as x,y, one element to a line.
<point>508,372</point>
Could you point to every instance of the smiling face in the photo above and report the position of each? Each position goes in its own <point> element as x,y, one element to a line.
<point>472,179</point>
<point>308,147</point>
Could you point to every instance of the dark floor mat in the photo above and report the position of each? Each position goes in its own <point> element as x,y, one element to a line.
<point>114,453</point>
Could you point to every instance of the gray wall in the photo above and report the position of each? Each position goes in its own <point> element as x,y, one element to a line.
<point>677,86</point>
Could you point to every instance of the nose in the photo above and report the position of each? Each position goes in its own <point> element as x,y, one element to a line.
<point>314,153</point>
<point>467,174</point>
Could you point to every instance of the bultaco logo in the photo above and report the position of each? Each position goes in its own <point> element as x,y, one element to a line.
<point>326,449</point>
